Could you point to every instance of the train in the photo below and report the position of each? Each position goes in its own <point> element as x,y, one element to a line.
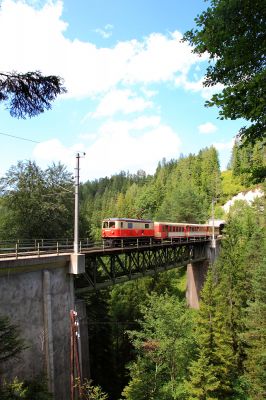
<point>128,230</point>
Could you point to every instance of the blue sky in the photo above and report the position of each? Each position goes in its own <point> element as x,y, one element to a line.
<point>135,91</point>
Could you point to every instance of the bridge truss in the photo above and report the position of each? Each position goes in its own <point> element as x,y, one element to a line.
<point>116,265</point>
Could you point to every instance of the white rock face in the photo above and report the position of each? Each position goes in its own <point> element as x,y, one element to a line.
<point>246,196</point>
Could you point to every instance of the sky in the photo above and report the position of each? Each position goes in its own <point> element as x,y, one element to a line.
<point>134,89</point>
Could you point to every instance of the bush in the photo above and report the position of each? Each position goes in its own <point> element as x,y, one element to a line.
<point>35,389</point>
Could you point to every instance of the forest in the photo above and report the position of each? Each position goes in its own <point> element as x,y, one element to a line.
<point>158,348</point>
<point>145,343</point>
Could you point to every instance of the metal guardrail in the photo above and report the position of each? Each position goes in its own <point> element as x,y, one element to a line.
<point>39,247</point>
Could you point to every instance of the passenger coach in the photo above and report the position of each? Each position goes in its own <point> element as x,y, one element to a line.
<point>176,230</point>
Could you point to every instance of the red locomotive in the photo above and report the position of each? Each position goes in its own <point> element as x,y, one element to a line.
<point>132,230</point>
<point>128,229</point>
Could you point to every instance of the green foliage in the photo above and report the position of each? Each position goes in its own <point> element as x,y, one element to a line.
<point>231,185</point>
<point>179,191</point>
<point>165,345</point>
<point>28,390</point>
<point>249,163</point>
<point>100,340</point>
<point>227,347</point>
<point>10,342</point>
<point>233,34</point>
<point>36,203</point>
<point>91,392</point>
<point>11,345</point>
<point>184,205</point>
<point>255,334</point>
<point>212,372</point>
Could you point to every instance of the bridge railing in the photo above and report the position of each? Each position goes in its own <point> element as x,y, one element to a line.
<point>40,247</point>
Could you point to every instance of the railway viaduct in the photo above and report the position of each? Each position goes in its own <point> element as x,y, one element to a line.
<point>38,290</point>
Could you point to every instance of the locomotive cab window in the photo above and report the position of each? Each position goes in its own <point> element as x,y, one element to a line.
<point>111,224</point>
<point>105,224</point>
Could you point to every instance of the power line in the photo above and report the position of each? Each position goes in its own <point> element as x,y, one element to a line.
<point>18,137</point>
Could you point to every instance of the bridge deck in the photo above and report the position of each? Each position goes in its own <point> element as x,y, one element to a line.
<point>105,266</point>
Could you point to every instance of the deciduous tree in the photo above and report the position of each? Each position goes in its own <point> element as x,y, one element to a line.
<point>233,33</point>
<point>36,203</point>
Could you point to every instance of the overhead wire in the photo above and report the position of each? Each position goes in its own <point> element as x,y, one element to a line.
<point>19,137</point>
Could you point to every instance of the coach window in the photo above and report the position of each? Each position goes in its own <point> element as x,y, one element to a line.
<point>130,225</point>
<point>147,226</point>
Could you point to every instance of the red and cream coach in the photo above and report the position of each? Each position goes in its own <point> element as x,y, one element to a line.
<point>175,230</point>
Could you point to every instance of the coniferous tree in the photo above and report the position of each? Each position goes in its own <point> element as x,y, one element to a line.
<point>29,94</point>
<point>10,342</point>
<point>218,371</point>
<point>211,373</point>
<point>255,333</point>
<point>165,345</point>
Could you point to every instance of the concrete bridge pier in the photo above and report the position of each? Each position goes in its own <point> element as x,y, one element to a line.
<point>196,274</point>
<point>37,295</point>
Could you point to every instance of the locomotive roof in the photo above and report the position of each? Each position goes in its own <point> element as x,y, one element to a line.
<point>128,220</point>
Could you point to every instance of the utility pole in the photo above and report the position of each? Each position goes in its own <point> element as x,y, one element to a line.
<point>213,219</point>
<point>213,236</point>
<point>76,219</point>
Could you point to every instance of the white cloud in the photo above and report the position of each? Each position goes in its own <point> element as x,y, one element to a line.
<point>224,146</point>
<point>34,39</point>
<point>106,32</point>
<point>207,128</point>
<point>119,146</point>
<point>143,122</point>
<point>54,151</point>
<point>159,58</point>
<point>197,86</point>
<point>125,101</point>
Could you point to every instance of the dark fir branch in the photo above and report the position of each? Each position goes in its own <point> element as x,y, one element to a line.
<point>29,94</point>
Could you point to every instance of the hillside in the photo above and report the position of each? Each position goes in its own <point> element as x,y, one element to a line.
<point>180,190</point>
